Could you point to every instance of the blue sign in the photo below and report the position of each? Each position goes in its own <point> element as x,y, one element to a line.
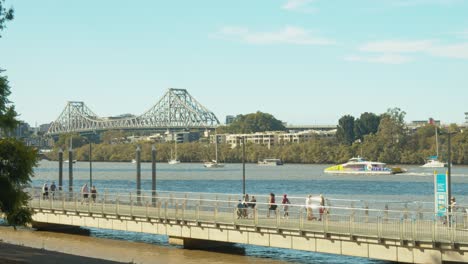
<point>440,188</point>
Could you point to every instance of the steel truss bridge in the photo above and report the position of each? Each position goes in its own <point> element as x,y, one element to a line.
<point>177,109</point>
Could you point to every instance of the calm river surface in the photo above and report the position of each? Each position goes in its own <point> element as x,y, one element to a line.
<point>297,180</point>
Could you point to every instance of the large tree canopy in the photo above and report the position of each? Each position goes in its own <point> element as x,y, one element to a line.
<point>345,130</point>
<point>255,122</point>
<point>16,159</point>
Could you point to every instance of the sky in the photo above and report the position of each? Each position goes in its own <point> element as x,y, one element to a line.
<point>304,61</point>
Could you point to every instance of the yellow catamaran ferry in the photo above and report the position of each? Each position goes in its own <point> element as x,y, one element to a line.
<point>360,165</point>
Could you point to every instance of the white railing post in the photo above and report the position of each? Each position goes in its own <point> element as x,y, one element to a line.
<point>159,209</point>
<point>117,209</point>
<point>75,199</point>
<point>147,209</point>
<point>255,212</point>
<point>301,218</point>
<point>216,211</point>
<point>63,201</point>
<point>277,217</point>
<point>131,205</point>
<point>184,204</point>
<point>165,209</point>
<point>103,201</point>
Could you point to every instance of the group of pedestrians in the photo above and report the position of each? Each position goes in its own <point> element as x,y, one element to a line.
<point>46,190</point>
<point>85,192</point>
<point>310,204</point>
<point>244,205</point>
<point>50,192</point>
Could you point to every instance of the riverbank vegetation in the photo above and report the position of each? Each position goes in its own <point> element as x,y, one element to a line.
<point>376,137</point>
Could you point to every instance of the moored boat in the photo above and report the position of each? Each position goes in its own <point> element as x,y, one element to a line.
<point>213,164</point>
<point>270,162</point>
<point>360,165</point>
<point>433,162</point>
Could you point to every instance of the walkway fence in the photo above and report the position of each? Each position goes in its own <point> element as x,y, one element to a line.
<point>405,221</point>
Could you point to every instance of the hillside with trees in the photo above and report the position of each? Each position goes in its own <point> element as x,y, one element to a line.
<point>381,137</point>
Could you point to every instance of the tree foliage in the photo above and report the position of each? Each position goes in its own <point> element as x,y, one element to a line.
<point>367,123</point>
<point>254,122</point>
<point>345,130</point>
<point>16,165</point>
<point>16,159</point>
<point>6,14</point>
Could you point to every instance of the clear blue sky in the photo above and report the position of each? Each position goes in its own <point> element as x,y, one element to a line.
<point>304,61</point>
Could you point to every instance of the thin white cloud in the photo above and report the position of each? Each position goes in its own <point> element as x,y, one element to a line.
<point>384,58</point>
<point>390,51</point>
<point>286,35</point>
<point>404,3</point>
<point>457,51</point>
<point>295,5</point>
<point>397,46</point>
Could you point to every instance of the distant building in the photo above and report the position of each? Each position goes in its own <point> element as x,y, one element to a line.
<point>44,127</point>
<point>273,138</point>
<point>230,119</point>
<point>466,117</point>
<point>419,123</point>
<point>22,130</point>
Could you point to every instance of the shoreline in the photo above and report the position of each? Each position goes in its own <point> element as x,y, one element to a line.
<point>30,246</point>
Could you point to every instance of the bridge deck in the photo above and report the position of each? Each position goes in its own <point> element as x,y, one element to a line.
<point>343,221</point>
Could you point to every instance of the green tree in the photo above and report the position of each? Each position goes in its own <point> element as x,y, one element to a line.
<point>345,130</point>
<point>16,166</point>
<point>367,123</point>
<point>255,122</point>
<point>16,159</point>
<point>6,14</point>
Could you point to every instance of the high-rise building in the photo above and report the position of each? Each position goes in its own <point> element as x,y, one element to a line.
<point>229,119</point>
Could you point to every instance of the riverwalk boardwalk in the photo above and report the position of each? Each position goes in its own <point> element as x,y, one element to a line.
<point>400,232</point>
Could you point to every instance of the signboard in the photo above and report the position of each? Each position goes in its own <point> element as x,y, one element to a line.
<point>440,193</point>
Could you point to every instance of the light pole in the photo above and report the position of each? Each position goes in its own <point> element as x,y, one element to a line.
<point>90,165</point>
<point>243,163</point>
<point>90,162</point>
<point>449,169</point>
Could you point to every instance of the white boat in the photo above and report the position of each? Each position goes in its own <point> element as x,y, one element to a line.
<point>214,163</point>
<point>133,161</point>
<point>174,160</point>
<point>360,165</point>
<point>67,161</point>
<point>433,161</point>
<point>270,162</point>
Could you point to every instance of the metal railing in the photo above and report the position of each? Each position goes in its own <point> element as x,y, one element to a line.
<point>406,224</point>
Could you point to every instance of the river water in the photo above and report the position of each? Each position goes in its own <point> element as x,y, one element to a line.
<point>295,180</point>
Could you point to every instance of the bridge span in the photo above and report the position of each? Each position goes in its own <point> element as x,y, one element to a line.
<point>198,220</point>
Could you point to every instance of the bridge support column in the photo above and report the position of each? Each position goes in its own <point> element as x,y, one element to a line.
<point>192,243</point>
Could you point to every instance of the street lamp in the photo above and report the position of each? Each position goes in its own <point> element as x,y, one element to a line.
<point>449,170</point>
<point>243,163</point>
<point>90,162</point>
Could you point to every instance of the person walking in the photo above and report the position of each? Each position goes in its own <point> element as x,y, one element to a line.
<point>252,204</point>
<point>322,207</point>
<point>53,188</point>
<point>271,204</point>
<point>45,192</point>
<point>93,193</point>
<point>84,193</point>
<point>286,204</point>
<point>309,201</point>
